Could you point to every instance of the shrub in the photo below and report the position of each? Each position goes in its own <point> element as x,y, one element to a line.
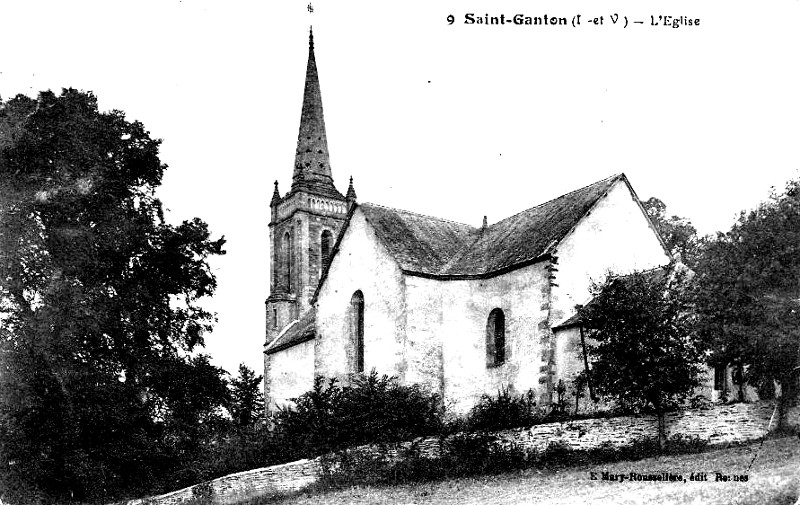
<point>699,402</point>
<point>683,444</point>
<point>242,448</point>
<point>470,454</point>
<point>464,455</point>
<point>558,453</point>
<point>506,410</point>
<point>371,409</point>
<point>202,494</point>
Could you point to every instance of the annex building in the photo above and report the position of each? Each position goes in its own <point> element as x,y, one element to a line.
<point>462,309</point>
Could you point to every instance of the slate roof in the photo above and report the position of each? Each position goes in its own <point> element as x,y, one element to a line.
<point>434,247</point>
<point>418,243</point>
<point>296,333</point>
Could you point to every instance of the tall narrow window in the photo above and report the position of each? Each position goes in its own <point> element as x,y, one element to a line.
<point>325,248</point>
<point>496,338</point>
<point>286,251</point>
<point>357,330</point>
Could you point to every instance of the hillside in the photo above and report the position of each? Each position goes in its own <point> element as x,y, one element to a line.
<point>773,478</point>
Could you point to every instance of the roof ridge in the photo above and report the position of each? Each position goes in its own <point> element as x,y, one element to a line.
<point>558,197</point>
<point>395,209</point>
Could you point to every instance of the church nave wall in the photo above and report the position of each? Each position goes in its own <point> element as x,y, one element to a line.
<point>362,263</point>
<point>466,304</point>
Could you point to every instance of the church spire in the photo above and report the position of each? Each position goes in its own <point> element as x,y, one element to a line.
<point>312,169</point>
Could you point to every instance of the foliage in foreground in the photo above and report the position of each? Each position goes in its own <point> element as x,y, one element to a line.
<point>502,411</point>
<point>482,454</point>
<point>102,390</point>
<point>643,351</point>
<point>772,481</point>
<point>371,409</point>
<point>747,296</point>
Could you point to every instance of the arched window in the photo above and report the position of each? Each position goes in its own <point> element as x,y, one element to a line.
<point>496,338</point>
<point>357,330</point>
<point>286,252</point>
<point>325,248</point>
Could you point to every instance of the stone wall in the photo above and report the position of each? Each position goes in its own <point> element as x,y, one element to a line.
<point>239,486</point>
<point>719,425</point>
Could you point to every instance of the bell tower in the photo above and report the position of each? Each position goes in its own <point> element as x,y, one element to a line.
<point>305,222</point>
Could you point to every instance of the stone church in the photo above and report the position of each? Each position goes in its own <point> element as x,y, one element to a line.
<point>464,310</point>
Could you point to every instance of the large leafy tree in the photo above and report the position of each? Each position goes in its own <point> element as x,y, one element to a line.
<point>678,233</point>
<point>99,295</point>
<point>643,353</point>
<point>747,295</point>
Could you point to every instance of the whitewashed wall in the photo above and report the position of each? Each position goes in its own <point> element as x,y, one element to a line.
<point>616,237</point>
<point>362,263</point>
<point>454,314</point>
<point>290,373</point>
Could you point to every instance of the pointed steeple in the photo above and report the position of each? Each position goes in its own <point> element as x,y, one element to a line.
<point>312,169</point>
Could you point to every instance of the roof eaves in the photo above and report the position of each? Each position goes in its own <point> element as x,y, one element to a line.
<point>483,275</point>
<point>282,333</point>
<point>293,343</point>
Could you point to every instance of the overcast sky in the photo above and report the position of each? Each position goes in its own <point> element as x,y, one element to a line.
<point>456,121</point>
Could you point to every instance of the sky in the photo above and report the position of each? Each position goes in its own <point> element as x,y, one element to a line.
<point>452,120</point>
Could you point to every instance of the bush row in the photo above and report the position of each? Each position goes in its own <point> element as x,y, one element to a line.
<point>466,455</point>
<point>378,410</point>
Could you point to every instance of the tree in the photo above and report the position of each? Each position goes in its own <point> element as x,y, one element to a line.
<point>642,350</point>
<point>747,295</point>
<point>678,233</point>
<point>247,400</point>
<point>98,295</point>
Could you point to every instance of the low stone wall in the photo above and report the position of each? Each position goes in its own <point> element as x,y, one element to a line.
<point>238,486</point>
<point>719,424</point>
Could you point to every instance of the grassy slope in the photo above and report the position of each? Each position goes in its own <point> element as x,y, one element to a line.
<point>774,478</point>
